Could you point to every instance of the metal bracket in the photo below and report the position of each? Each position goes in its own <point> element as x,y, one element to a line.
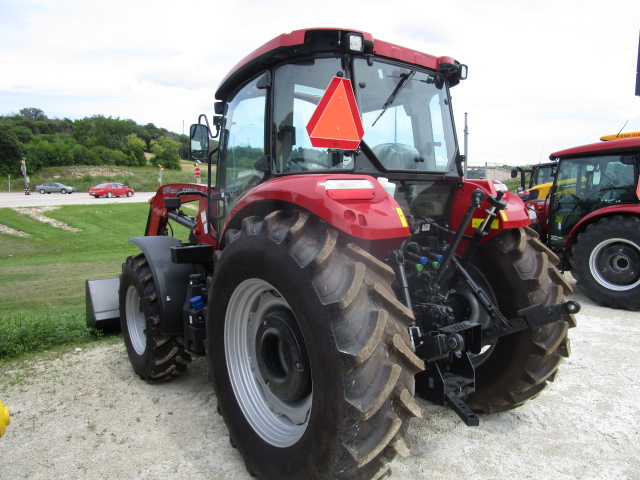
<point>450,385</point>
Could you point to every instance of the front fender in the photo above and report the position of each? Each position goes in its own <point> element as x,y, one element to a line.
<point>369,213</point>
<point>171,279</point>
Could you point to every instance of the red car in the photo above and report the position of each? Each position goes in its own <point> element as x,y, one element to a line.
<point>110,190</point>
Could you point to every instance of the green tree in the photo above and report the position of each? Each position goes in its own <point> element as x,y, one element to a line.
<point>33,114</point>
<point>24,134</point>
<point>11,150</point>
<point>108,156</point>
<point>134,149</point>
<point>50,151</point>
<point>166,152</point>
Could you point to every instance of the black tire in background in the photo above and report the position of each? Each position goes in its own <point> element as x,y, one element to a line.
<point>521,272</point>
<point>309,352</point>
<point>606,261</point>
<point>154,357</point>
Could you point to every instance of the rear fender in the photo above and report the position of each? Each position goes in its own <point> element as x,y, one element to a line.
<point>171,279</point>
<point>513,216</point>
<point>369,214</point>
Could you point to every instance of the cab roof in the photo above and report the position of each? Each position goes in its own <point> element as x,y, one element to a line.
<point>300,43</point>
<point>612,146</point>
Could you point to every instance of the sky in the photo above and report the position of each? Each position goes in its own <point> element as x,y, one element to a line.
<point>544,75</point>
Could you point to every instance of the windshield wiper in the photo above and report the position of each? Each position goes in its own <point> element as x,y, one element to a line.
<point>404,78</point>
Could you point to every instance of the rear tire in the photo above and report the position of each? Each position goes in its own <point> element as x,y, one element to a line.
<point>154,357</point>
<point>521,272</point>
<point>606,262</point>
<point>309,352</point>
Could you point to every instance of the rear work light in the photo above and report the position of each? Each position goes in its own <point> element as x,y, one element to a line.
<point>346,189</point>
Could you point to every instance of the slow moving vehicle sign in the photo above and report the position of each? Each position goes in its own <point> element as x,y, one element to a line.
<point>336,122</point>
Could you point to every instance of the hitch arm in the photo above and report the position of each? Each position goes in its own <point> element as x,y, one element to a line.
<point>535,316</point>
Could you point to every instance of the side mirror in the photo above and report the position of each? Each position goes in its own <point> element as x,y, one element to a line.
<point>199,145</point>
<point>514,173</point>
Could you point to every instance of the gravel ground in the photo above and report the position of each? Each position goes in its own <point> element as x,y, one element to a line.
<point>85,415</point>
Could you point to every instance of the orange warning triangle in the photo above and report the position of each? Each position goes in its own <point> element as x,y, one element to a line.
<point>336,121</point>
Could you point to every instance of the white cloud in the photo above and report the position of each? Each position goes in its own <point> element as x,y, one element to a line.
<point>543,75</point>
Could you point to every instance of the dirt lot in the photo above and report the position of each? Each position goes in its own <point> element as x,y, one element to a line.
<point>85,415</point>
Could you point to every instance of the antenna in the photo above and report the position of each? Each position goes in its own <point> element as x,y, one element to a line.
<point>625,124</point>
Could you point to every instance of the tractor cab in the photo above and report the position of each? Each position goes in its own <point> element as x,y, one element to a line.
<point>335,106</point>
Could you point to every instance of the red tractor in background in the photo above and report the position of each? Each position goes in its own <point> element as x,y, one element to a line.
<point>591,219</point>
<point>340,264</point>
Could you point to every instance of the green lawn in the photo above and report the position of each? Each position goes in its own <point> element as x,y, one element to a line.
<point>42,277</point>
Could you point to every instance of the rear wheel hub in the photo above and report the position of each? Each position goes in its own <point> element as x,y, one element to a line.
<point>282,356</point>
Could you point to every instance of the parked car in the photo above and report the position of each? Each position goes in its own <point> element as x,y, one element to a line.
<point>49,187</point>
<point>110,190</point>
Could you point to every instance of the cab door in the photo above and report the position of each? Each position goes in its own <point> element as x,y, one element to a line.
<point>242,144</point>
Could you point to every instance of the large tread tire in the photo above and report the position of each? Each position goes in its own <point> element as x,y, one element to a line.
<point>521,271</point>
<point>155,357</point>
<point>355,332</point>
<point>606,262</point>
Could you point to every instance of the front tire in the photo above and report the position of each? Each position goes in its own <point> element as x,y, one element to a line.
<point>606,262</point>
<point>521,271</point>
<point>309,352</point>
<point>155,357</point>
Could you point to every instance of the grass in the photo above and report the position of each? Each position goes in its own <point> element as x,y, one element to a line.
<point>42,277</point>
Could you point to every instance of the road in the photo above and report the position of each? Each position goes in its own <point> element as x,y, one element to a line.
<point>19,199</point>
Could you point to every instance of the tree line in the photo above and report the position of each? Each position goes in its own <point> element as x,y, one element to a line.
<point>95,140</point>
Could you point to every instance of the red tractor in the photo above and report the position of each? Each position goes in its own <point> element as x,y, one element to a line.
<point>340,264</point>
<point>592,219</point>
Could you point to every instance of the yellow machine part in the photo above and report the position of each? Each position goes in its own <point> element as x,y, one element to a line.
<point>4,418</point>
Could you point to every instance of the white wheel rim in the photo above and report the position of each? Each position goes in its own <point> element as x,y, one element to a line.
<point>277,422</point>
<point>136,324</point>
<point>618,257</point>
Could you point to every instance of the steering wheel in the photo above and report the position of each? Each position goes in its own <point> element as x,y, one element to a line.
<point>398,156</point>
